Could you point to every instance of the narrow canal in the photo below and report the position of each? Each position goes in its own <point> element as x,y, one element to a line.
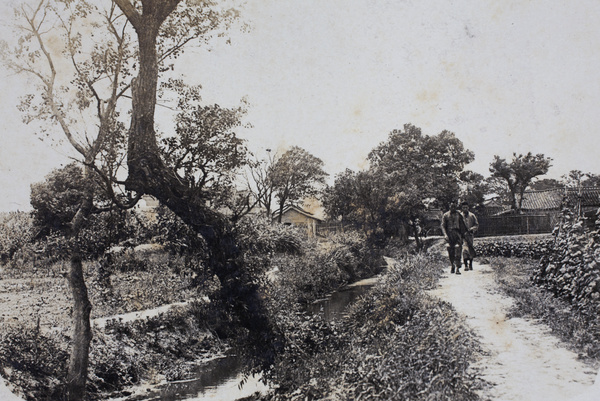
<point>220,378</point>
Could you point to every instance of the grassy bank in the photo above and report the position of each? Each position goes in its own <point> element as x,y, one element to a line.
<point>580,331</point>
<point>397,343</point>
<point>35,339</point>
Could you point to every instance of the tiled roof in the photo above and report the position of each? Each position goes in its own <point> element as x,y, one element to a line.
<point>297,209</point>
<point>554,198</point>
<point>542,200</point>
<point>590,196</point>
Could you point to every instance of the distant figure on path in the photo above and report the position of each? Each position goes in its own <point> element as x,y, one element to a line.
<point>472,225</point>
<point>454,228</point>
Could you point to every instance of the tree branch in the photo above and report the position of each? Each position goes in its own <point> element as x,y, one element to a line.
<point>130,12</point>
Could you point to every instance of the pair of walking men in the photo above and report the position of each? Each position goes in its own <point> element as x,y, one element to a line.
<point>458,227</point>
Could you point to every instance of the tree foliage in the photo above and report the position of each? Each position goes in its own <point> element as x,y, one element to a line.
<point>296,175</point>
<point>546,183</point>
<point>429,164</point>
<point>473,188</point>
<point>407,173</point>
<point>56,200</point>
<point>205,150</point>
<point>578,179</point>
<point>339,199</point>
<point>518,174</point>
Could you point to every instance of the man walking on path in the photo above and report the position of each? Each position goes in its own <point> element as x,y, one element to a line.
<point>454,228</point>
<point>472,225</point>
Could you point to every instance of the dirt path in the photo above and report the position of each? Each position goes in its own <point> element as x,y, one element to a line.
<point>523,360</point>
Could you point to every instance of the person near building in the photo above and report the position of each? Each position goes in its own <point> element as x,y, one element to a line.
<point>454,228</point>
<point>472,225</point>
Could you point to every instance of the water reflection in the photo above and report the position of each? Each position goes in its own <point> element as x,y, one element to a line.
<point>217,380</point>
<point>335,306</point>
<point>220,378</point>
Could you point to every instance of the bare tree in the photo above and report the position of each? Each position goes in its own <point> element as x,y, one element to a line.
<point>99,87</point>
<point>259,181</point>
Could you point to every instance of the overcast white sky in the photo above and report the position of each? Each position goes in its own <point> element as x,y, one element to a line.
<point>336,76</point>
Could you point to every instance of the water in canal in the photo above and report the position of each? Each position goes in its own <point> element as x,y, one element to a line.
<point>220,378</point>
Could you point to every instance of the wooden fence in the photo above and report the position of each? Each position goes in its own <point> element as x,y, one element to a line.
<point>516,224</point>
<point>325,229</point>
<point>488,225</point>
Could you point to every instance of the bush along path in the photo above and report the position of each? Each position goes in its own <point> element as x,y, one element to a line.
<point>521,360</point>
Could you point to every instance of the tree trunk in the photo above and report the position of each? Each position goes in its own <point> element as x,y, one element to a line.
<point>521,194</point>
<point>82,333</point>
<point>148,174</point>
<point>280,214</point>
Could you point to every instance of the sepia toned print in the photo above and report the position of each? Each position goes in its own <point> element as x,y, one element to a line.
<point>249,200</point>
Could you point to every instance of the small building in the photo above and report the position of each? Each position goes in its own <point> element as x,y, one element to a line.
<point>584,200</point>
<point>294,215</point>
<point>541,211</point>
<point>491,206</point>
<point>147,206</point>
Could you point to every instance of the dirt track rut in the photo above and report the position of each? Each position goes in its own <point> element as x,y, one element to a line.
<point>523,360</point>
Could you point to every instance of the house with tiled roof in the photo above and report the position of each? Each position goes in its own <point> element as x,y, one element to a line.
<point>544,200</point>
<point>297,216</point>
<point>541,211</point>
<point>586,198</point>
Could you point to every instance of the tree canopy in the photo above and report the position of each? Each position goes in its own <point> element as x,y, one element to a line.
<point>407,173</point>
<point>429,165</point>
<point>297,174</point>
<point>518,174</point>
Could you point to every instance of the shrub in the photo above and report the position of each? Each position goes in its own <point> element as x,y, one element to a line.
<point>395,344</point>
<point>518,246</point>
<point>136,281</point>
<point>33,361</point>
<point>572,269</point>
<point>324,267</point>
<point>16,230</point>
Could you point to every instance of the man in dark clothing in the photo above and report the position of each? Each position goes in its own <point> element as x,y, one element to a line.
<point>454,229</point>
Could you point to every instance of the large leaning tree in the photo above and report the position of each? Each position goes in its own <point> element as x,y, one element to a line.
<point>518,174</point>
<point>94,61</point>
<point>149,174</point>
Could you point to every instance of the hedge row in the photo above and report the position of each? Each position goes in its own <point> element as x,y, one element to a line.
<point>569,260</point>
<point>572,269</point>
<point>522,248</point>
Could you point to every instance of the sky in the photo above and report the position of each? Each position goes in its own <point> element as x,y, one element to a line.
<point>336,76</point>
